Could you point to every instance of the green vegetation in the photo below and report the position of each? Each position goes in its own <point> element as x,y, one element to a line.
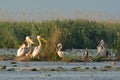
<point>71,33</point>
<point>97,58</point>
<point>107,66</point>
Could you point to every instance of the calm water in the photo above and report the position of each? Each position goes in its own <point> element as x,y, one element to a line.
<point>22,71</point>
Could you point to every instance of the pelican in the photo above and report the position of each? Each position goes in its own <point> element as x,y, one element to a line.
<point>29,49</point>
<point>29,41</point>
<point>62,54</point>
<point>22,50</point>
<point>38,49</point>
<point>101,51</point>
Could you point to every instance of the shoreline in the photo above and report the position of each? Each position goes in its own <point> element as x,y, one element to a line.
<point>80,59</point>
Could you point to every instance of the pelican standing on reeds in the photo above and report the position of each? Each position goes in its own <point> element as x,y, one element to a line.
<point>38,49</point>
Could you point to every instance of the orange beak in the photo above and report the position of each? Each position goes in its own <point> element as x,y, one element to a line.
<point>31,41</point>
<point>43,39</point>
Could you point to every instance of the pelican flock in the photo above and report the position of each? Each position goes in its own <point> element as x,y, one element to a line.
<point>27,50</point>
<point>23,50</point>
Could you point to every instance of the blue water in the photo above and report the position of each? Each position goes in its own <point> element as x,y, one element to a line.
<point>22,71</point>
<point>67,75</point>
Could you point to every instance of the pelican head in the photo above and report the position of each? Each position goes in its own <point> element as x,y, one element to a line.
<point>40,38</point>
<point>28,39</point>
<point>59,45</point>
<point>23,46</point>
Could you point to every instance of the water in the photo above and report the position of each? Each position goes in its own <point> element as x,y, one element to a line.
<point>23,71</point>
<point>24,75</point>
<point>8,51</point>
<point>79,52</point>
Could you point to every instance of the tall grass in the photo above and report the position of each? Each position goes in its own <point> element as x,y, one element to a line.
<point>77,33</point>
<point>50,49</point>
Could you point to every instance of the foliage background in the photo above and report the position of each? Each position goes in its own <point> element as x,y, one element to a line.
<point>77,33</point>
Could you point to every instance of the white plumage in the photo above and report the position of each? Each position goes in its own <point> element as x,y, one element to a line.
<point>21,50</point>
<point>29,48</point>
<point>38,49</point>
<point>62,54</point>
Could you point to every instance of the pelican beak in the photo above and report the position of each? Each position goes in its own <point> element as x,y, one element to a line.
<point>31,41</point>
<point>43,39</point>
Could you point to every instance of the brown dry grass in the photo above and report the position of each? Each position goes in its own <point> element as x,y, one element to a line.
<point>50,49</point>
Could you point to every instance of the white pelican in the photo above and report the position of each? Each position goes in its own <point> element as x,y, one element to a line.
<point>38,49</point>
<point>62,54</point>
<point>29,41</point>
<point>101,49</point>
<point>29,49</point>
<point>21,50</point>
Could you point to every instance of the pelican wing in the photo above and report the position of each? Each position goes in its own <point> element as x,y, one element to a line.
<point>20,52</point>
<point>37,50</point>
